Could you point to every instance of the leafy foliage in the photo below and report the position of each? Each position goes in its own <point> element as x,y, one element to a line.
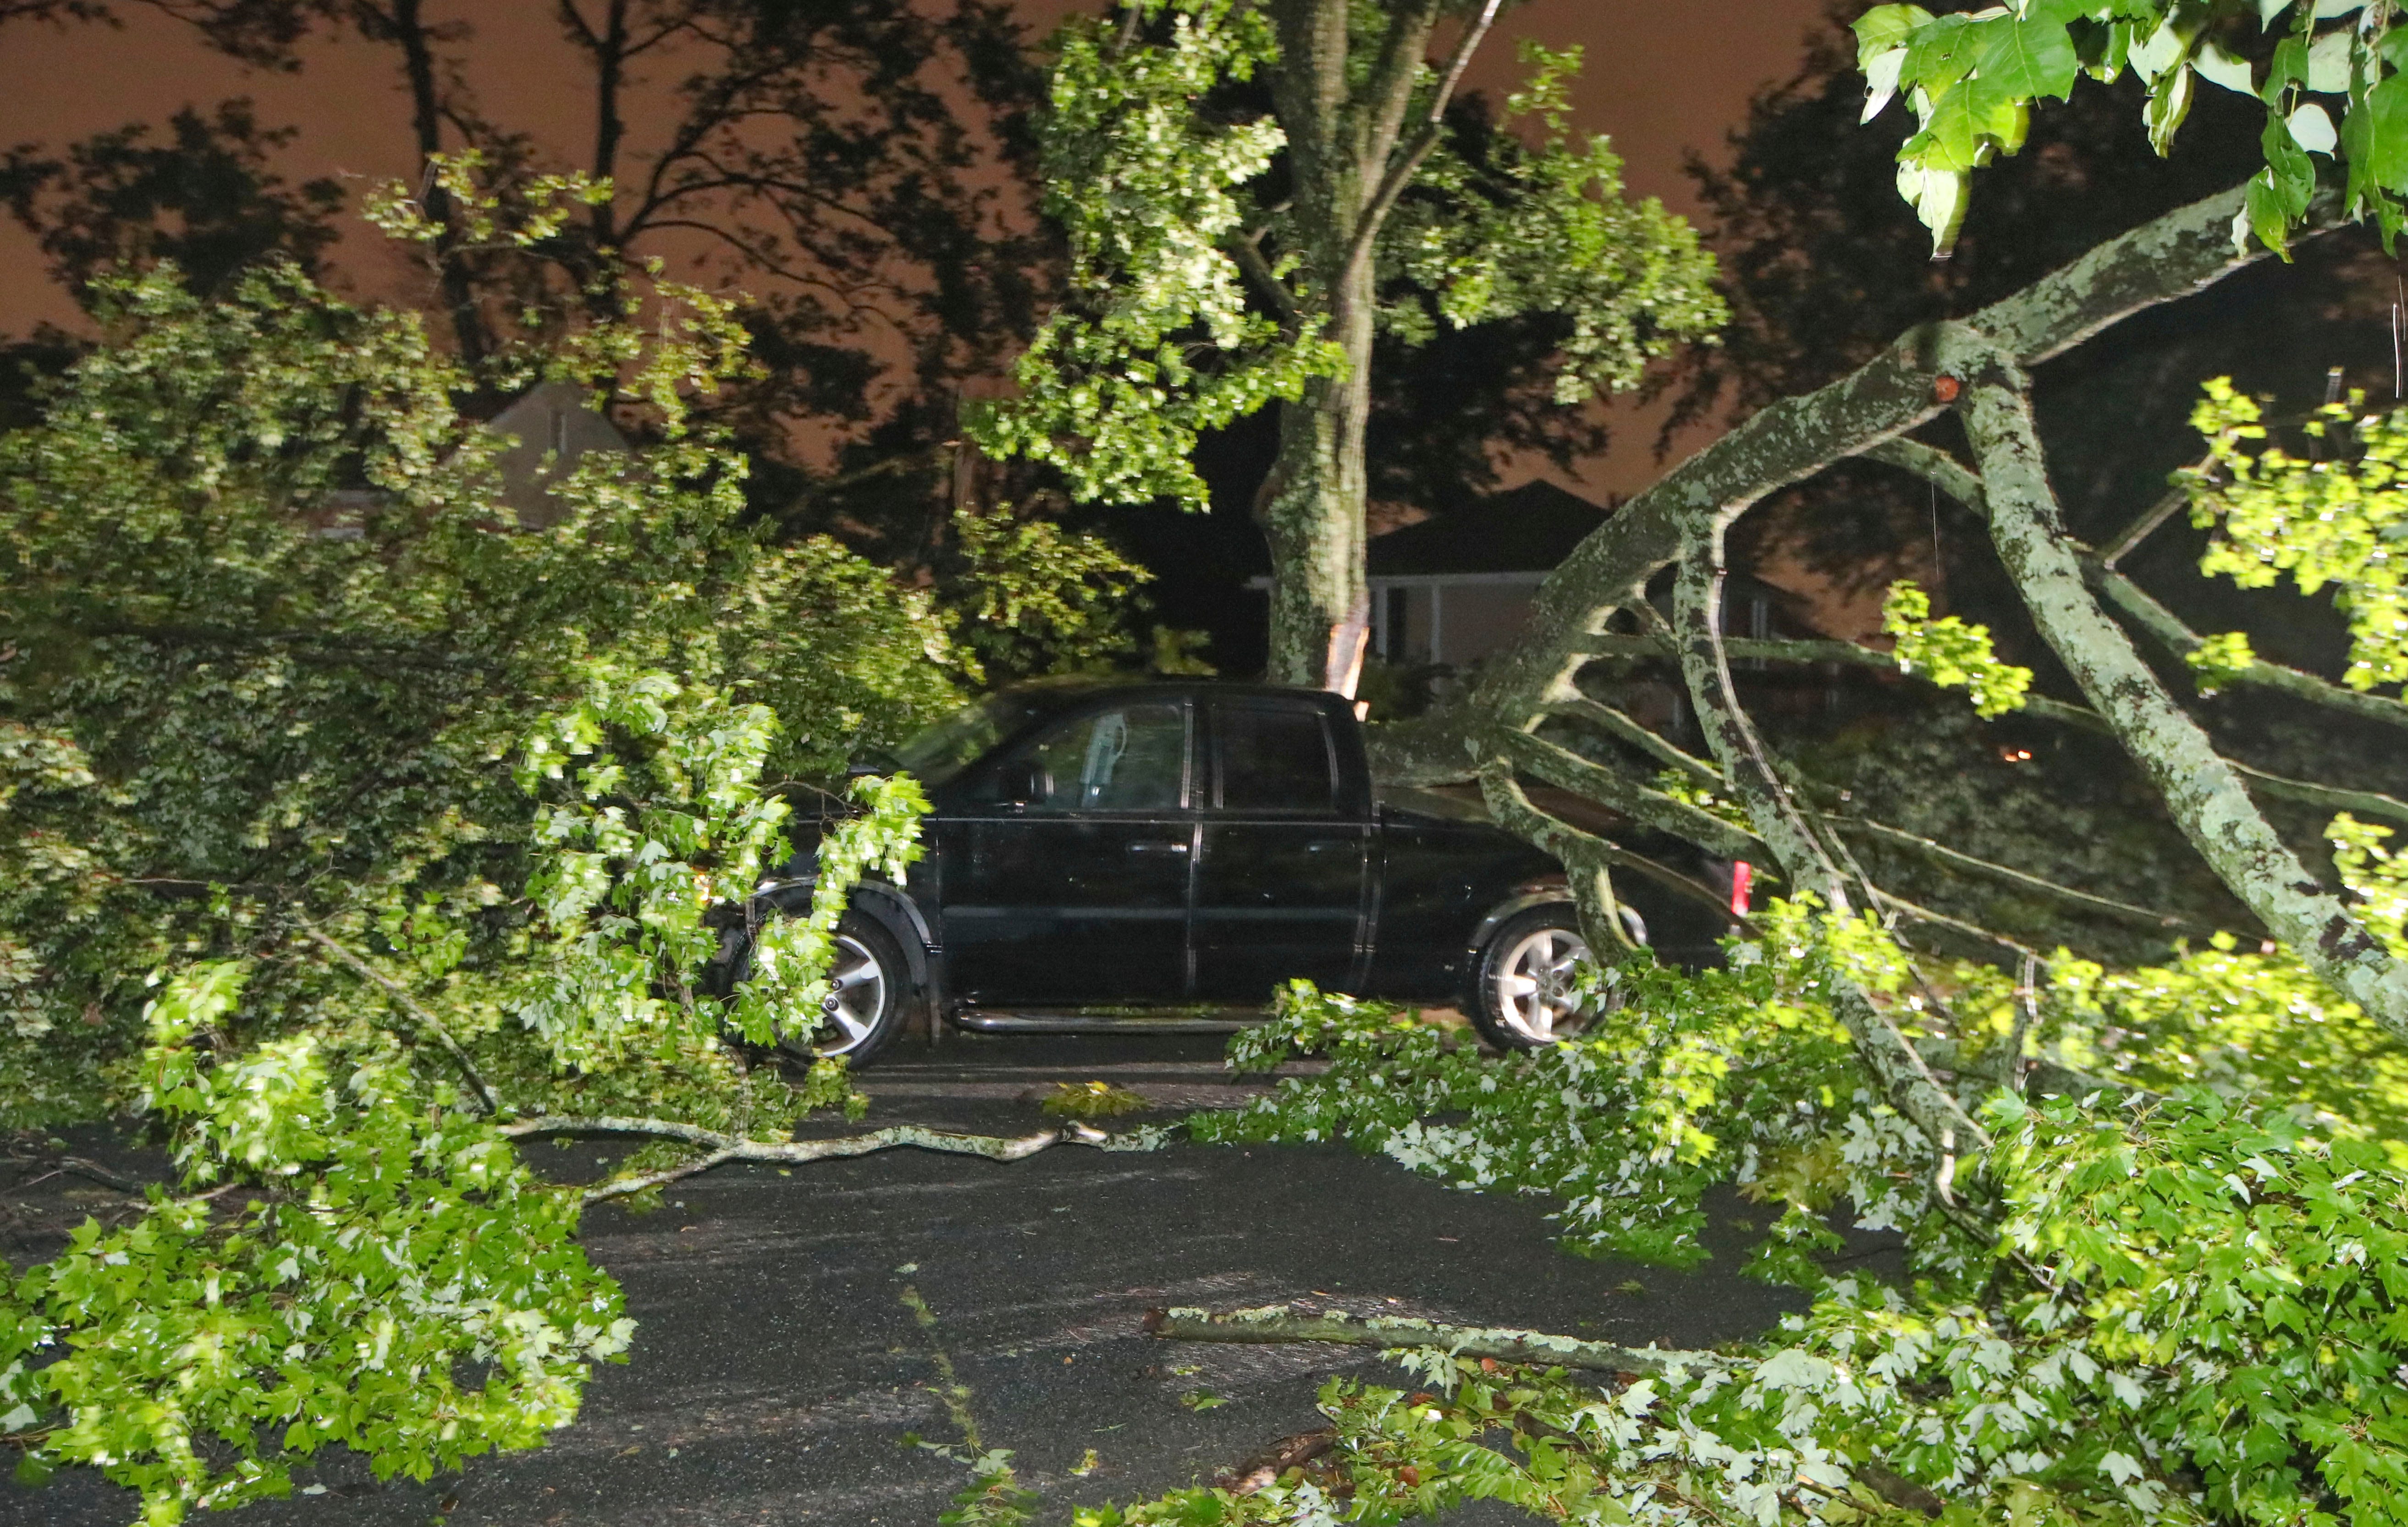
<point>351,830</point>
<point>1148,189</point>
<point>2174,1306</point>
<point>1547,229</point>
<point>1169,204</point>
<point>1972,80</point>
<point>390,1245</point>
<point>1950,653</point>
<point>2313,522</point>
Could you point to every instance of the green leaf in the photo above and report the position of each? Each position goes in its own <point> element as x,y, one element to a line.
<point>2327,61</point>
<point>2386,132</point>
<point>1941,52</point>
<point>2169,104</point>
<point>2312,129</point>
<point>1885,27</point>
<point>2219,67</point>
<point>2025,59</point>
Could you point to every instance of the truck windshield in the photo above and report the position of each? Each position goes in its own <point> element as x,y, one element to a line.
<point>939,752</point>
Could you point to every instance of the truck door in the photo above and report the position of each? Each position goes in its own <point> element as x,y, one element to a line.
<point>1281,884</point>
<point>1066,870</point>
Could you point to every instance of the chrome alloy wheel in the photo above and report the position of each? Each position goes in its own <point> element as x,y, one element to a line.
<point>1534,992</point>
<point>857,999</point>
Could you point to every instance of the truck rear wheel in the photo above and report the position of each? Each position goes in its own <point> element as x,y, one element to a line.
<point>1523,996</point>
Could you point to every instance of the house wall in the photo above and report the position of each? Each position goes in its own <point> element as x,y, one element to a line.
<point>1450,620</point>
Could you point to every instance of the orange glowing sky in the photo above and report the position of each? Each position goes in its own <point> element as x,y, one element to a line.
<point>1661,79</point>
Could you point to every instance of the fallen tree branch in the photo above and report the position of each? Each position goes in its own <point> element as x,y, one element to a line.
<point>2146,526</point>
<point>2039,707</point>
<point>1560,766</point>
<point>1781,822</point>
<point>2161,261</point>
<point>2169,631</point>
<point>1513,809</point>
<point>1620,727</point>
<point>725,1148</point>
<point>1942,854</point>
<point>1536,1348</point>
<point>2205,794</point>
<point>77,1167</point>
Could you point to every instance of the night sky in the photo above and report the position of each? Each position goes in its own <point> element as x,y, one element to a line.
<point>1661,79</point>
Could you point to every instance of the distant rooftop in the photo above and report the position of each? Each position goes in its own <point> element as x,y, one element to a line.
<point>1527,529</point>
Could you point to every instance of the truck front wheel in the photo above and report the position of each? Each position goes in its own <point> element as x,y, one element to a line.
<point>1523,996</point>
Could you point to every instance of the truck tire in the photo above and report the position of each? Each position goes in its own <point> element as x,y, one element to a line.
<point>870,1006</point>
<point>1521,998</point>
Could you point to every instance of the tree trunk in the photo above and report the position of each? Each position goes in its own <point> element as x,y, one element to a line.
<point>1344,128</point>
<point>1312,513</point>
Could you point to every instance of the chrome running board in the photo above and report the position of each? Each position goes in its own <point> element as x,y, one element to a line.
<point>1217,1021</point>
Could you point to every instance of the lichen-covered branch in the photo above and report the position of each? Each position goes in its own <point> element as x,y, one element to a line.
<point>1622,729</point>
<point>2159,262</point>
<point>720,1149</point>
<point>1560,766</point>
<point>2169,631</point>
<point>1584,854</point>
<point>1538,1349</point>
<point>1781,821</point>
<point>1942,854</point>
<point>2206,795</point>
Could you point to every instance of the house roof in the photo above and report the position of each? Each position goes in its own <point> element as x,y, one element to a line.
<point>552,425</point>
<point>1526,529</point>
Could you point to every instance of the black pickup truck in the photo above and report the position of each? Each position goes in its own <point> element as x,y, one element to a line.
<point>1163,855</point>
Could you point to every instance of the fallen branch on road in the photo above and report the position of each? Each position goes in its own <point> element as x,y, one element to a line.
<point>1539,1349</point>
<point>723,1148</point>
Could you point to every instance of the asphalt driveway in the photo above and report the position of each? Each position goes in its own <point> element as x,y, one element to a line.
<point>796,1330</point>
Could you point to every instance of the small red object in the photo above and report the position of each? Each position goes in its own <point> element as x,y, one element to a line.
<point>1945,388</point>
<point>1742,878</point>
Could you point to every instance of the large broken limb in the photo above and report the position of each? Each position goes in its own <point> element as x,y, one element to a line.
<point>1584,853</point>
<point>1536,1348</point>
<point>721,1149</point>
<point>1560,766</point>
<point>1781,822</point>
<point>2170,257</point>
<point>2206,795</point>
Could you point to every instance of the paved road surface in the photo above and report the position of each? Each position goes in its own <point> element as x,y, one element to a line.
<point>778,1368</point>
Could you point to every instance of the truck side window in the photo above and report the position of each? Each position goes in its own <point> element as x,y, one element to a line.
<point>1131,759</point>
<point>1275,758</point>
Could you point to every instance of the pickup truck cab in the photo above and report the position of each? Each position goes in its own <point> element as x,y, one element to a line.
<point>1165,854</point>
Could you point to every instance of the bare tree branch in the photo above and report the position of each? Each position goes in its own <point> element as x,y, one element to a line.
<point>1402,167</point>
<point>723,1148</point>
<point>1536,1348</point>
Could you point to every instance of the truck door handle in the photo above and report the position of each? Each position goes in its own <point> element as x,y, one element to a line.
<point>1157,848</point>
